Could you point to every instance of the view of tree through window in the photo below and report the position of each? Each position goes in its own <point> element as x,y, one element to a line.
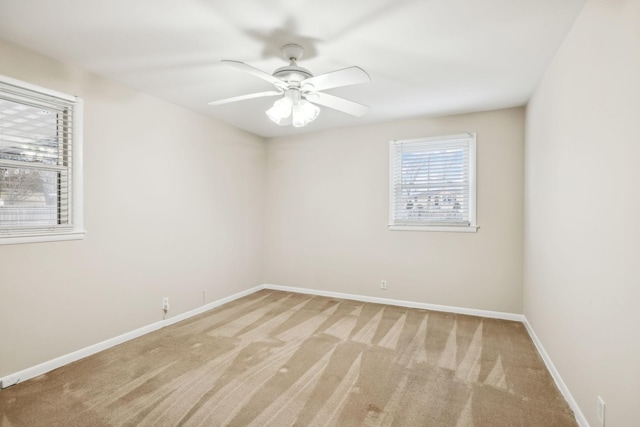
<point>432,185</point>
<point>32,171</point>
<point>431,181</point>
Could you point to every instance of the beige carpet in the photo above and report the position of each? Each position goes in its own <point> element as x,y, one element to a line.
<point>280,359</point>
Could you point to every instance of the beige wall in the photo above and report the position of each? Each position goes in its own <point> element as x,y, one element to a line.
<point>582,236</point>
<point>175,202</point>
<point>327,215</point>
<point>173,207</point>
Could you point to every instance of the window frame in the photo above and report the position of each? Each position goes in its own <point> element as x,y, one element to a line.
<point>75,229</point>
<point>472,227</point>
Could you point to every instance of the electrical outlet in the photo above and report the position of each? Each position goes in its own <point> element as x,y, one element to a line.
<point>601,411</point>
<point>383,284</point>
<point>165,303</point>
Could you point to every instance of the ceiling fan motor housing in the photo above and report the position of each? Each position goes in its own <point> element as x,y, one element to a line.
<point>292,73</point>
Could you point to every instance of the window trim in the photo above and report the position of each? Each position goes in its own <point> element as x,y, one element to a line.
<point>473,226</point>
<point>76,231</point>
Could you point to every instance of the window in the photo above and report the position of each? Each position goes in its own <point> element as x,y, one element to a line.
<point>40,154</point>
<point>432,184</point>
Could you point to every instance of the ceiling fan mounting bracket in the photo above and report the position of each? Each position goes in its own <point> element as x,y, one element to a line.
<point>292,52</point>
<point>292,74</point>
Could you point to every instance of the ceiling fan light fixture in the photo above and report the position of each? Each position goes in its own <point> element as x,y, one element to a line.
<point>304,113</point>
<point>298,116</point>
<point>292,104</point>
<point>310,111</point>
<point>281,109</point>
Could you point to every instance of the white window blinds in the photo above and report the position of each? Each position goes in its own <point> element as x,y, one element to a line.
<point>37,136</point>
<point>433,181</point>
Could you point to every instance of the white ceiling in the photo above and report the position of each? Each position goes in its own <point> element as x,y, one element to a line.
<point>425,57</point>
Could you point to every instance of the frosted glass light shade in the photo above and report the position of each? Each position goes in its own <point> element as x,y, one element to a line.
<point>291,104</point>
<point>310,110</point>
<point>281,110</point>
<point>304,113</point>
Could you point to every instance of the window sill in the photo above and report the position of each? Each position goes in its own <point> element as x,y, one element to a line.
<point>38,238</point>
<point>442,228</point>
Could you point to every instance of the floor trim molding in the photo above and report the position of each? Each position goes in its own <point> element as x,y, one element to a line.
<point>58,362</point>
<point>577,412</point>
<point>401,303</point>
<point>580,418</point>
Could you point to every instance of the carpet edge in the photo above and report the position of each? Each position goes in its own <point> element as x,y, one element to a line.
<point>58,362</point>
<point>562,386</point>
<point>50,365</point>
<point>401,303</point>
<point>580,418</point>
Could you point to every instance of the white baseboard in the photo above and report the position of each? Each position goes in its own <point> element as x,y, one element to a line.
<point>577,412</point>
<point>582,421</point>
<point>58,362</point>
<point>401,303</point>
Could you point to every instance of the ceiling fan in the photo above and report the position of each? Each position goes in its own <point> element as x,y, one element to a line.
<point>300,90</point>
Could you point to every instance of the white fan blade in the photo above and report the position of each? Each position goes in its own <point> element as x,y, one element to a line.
<point>345,77</point>
<point>243,97</point>
<point>258,73</point>
<point>339,104</point>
